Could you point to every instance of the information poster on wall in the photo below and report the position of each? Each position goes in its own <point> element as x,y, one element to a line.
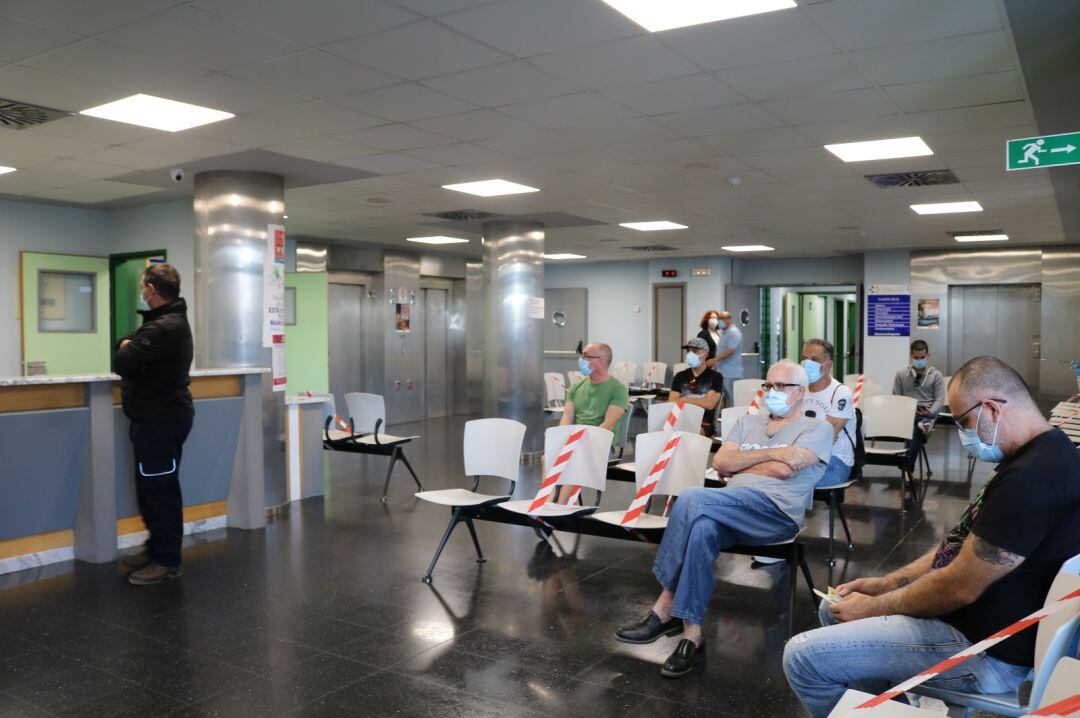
<point>929,313</point>
<point>888,310</point>
<point>277,362</point>
<point>401,319</point>
<point>274,284</point>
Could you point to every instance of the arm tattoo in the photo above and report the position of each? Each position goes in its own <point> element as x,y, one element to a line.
<point>994,555</point>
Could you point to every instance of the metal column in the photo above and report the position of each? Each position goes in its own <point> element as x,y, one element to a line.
<point>513,334</point>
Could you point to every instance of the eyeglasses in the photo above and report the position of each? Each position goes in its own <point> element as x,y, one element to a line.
<point>769,385</point>
<point>960,416</point>
<point>589,357</point>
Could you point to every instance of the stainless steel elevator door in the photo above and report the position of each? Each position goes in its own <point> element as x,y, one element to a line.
<point>436,368</point>
<point>999,320</point>
<point>346,342</point>
<point>669,322</point>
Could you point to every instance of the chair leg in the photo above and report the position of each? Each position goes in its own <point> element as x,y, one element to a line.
<point>830,559</point>
<point>843,522</point>
<point>405,460</point>
<point>389,471</point>
<point>475,541</point>
<point>455,517</point>
<point>792,561</point>
<point>807,575</point>
<point>926,458</point>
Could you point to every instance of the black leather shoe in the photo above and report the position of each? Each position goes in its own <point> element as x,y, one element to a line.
<point>648,629</point>
<point>682,661</point>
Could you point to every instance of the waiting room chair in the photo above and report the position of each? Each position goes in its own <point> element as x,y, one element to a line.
<point>1064,683</point>
<point>573,377</point>
<point>891,420</point>
<point>744,391</point>
<point>623,438</point>
<point>729,416</point>
<point>554,391</point>
<point>653,372</point>
<point>676,368</point>
<point>888,709</point>
<point>491,447</point>
<point>689,419</point>
<point>624,371</point>
<point>1055,639</point>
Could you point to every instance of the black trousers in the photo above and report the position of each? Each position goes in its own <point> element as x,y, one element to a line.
<point>918,439</point>
<point>158,447</point>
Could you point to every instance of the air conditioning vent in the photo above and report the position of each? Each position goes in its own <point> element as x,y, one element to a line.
<point>922,178</point>
<point>19,115</point>
<point>463,215</point>
<point>650,248</point>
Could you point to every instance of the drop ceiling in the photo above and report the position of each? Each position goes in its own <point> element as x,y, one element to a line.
<point>385,101</point>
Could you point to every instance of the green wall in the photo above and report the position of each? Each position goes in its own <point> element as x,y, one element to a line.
<point>307,343</point>
<point>67,352</point>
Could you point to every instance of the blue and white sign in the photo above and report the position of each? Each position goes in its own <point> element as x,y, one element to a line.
<point>888,311</point>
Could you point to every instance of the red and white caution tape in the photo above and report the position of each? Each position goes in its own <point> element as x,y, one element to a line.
<point>858,389</point>
<point>1067,707</point>
<point>1068,601</point>
<point>337,419</point>
<point>547,486</point>
<point>755,405</point>
<point>641,498</point>
<point>673,416</point>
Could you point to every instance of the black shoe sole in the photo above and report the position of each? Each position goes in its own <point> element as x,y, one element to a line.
<point>678,674</point>
<point>167,577</point>
<point>641,642</point>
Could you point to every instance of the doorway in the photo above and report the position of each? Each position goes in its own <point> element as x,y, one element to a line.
<point>1001,320</point>
<point>125,279</point>
<point>669,322</point>
<point>345,311</point>
<point>437,375</point>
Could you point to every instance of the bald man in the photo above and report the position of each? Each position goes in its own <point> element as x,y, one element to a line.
<point>992,569</point>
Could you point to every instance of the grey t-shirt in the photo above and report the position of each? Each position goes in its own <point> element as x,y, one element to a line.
<point>790,495</point>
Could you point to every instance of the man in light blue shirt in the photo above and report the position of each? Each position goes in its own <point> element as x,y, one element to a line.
<point>729,356</point>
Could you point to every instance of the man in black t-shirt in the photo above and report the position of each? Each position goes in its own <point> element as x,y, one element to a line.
<point>994,568</point>
<point>699,385</point>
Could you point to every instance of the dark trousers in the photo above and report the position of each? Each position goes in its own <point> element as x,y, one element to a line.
<point>158,447</point>
<point>918,439</point>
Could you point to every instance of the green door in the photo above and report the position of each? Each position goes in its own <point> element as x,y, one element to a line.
<point>126,272</point>
<point>65,308</point>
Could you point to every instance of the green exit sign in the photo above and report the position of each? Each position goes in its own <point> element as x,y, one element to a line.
<point>1048,151</point>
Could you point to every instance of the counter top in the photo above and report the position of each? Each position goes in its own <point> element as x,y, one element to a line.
<point>88,378</point>
<point>292,399</point>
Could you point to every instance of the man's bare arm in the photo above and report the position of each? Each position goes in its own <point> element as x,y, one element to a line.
<point>567,414</point>
<point>837,425</point>
<point>709,401</point>
<point>612,416</point>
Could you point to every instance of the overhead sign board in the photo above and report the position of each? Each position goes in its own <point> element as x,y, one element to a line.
<point>1030,153</point>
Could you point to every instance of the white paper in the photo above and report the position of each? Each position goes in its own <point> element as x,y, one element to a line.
<point>273,284</point>
<point>277,362</point>
<point>536,308</point>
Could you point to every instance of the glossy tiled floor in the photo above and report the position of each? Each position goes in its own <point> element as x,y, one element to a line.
<point>323,613</point>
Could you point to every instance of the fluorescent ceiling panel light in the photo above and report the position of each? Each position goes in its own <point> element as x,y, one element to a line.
<point>157,113</point>
<point>880,149</point>
<point>564,255</point>
<point>748,248</point>
<point>5,170</point>
<point>491,188</point>
<point>980,237</point>
<point>947,207</point>
<point>437,240</point>
<point>657,15</point>
<point>652,226</point>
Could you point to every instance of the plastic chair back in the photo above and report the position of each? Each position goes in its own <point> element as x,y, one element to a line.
<point>685,469</point>
<point>329,406</point>
<point>624,371</point>
<point>744,390</point>
<point>554,388</point>
<point>1064,682</point>
<point>492,447</point>
<point>887,416</point>
<point>653,372</point>
<point>729,416</point>
<point>678,368</point>
<point>689,419</point>
<point>1056,635</point>
<point>588,465</point>
<point>365,410</point>
<point>888,709</point>
<point>573,377</point>
<point>624,429</point>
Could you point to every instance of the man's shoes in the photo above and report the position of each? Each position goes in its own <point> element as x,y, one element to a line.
<point>136,560</point>
<point>648,629</point>
<point>687,655</point>
<point>153,574</point>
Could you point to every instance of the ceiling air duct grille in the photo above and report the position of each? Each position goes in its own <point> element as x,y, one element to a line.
<point>20,115</point>
<point>650,248</point>
<point>463,215</point>
<point>922,178</point>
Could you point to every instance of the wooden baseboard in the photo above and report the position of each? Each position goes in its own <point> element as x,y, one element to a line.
<point>134,524</point>
<point>35,397</point>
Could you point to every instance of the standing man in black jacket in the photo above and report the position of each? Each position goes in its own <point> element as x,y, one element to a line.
<point>154,365</point>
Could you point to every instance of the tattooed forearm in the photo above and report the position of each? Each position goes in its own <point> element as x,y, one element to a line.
<point>994,555</point>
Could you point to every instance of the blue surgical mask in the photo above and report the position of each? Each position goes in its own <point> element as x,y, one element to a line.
<point>693,359</point>
<point>144,306</point>
<point>918,363</point>
<point>776,401</point>
<point>813,369</point>
<point>583,366</point>
<point>969,438</point>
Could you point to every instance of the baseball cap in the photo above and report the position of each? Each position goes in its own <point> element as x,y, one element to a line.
<point>696,343</point>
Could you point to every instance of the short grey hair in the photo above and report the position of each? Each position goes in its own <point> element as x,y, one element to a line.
<point>795,368</point>
<point>826,346</point>
<point>605,351</point>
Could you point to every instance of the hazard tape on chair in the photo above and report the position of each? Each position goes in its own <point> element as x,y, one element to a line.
<point>547,487</point>
<point>858,389</point>
<point>337,419</point>
<point>641,498</point>
<point>974,650</point>
<point>1068,707</point>
<point>755,405</point>
<point>672,419</point>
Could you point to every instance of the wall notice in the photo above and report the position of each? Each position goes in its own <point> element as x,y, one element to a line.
<point>888,310</point>
<point>929,313</point>
<point>401,319</point>
<point>536,308</point>
<point>277,362</point>
<point>274,284</point>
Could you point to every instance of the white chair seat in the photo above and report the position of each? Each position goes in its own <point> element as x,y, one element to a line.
<point>627,466</point>
<point>834,487</point>
<point>1001,703</point>
<point>459,497</point>
<point>553,409</point>
<point>644,397</point>
<point>385,439</point>
<point>885,452</point>
<point>645,521</point>
<point>338,434</point>
<point>548,510</point>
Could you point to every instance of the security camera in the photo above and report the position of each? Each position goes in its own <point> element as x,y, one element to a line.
<point>176,175</point>
<point>734,181</point>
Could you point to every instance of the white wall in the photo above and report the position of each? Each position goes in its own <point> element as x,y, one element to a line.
<point>27,226</point>
<point>846,269</point>
<point>884,356</point>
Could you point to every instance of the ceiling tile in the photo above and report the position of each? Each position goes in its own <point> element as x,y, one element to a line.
<point>79,16</point>
<point>322,149</point>
<point>34,140</point>
<point>618,132</point>
<point>21,40</point>
<point>961,119</point>
<point>527,27</point>
<point>418,50</point>
<point>977,54</point>
<point>621,62</point>
<point>752,40</point>
<point>777,138</point>
<point>858,24</point>
<point>795,78</point>
<point>405,102</point>
<point>478,125</point>
<point>438,7</point>
<point>310,23</point>
<point>81,168</point>
<point>187,145</point>
<point>858,130</point>
<point>185,34</point>
<point>534,143</point>
<point>247,132</point>
<point>130,158</point>
<point>389,164</point>
<point>26,84</point>
<point>319,116</point>
<point>92,60</point>
<point>395,137</point>
<point>502,84</point>
<point>13,157</point>
<point>958,92</point>
<point>570,110</point>
<point>734,118</point>
<point>314,73</point>
<point>850,104</point>
<point>679,149</point>
<point>93,129</point>
<point>462,153</point>
<point>676,94</point>
<point>228,93</point>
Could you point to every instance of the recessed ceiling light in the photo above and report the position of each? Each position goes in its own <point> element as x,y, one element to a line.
<point>947,207</point>
<point>491,188</point>
<point>5,170</point>
<point>437,240</point>
<point>980,237</point>
<point>656,16</point>
<point>157,113</point>
<point>652,226</point>
<point>564,255</point>
<point>880,149</point>
<point>748,248</point>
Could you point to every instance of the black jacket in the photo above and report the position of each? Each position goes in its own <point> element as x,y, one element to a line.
<point>155,366</point>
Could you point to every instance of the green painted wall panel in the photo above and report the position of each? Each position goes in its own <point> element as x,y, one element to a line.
<point>307,343</point>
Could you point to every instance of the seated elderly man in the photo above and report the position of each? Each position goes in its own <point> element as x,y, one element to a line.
<point>773,461</point>
<point>992,569</point>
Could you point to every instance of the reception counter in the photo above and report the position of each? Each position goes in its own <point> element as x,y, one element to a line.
<point>66,475</point>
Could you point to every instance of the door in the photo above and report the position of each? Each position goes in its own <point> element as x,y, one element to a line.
<point>346,342</point>
<point>851,346</point>
<point>669,322</point>
<point>998,320</point>
<point>125,279</point>
<point>566,325</point>
<point>65,314</point>
<point>744,304</point>
<point>436,368</point>
<point>839,339</point>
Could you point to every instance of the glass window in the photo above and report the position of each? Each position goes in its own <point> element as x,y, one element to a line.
<point>66,302</point>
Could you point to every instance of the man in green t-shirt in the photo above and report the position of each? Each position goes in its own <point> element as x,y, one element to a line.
<point>599,399</point>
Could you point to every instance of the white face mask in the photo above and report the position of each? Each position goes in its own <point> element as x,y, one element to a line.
<point>713,322</point>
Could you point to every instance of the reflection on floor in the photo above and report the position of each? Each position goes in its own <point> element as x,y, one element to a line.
<point>324,614</point>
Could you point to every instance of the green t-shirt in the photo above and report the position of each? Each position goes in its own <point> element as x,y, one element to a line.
<point>591,401</point>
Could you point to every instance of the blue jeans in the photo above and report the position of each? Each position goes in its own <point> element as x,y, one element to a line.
<point>837,472</point>
<point>874,654</point>
<point>704,523</point>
